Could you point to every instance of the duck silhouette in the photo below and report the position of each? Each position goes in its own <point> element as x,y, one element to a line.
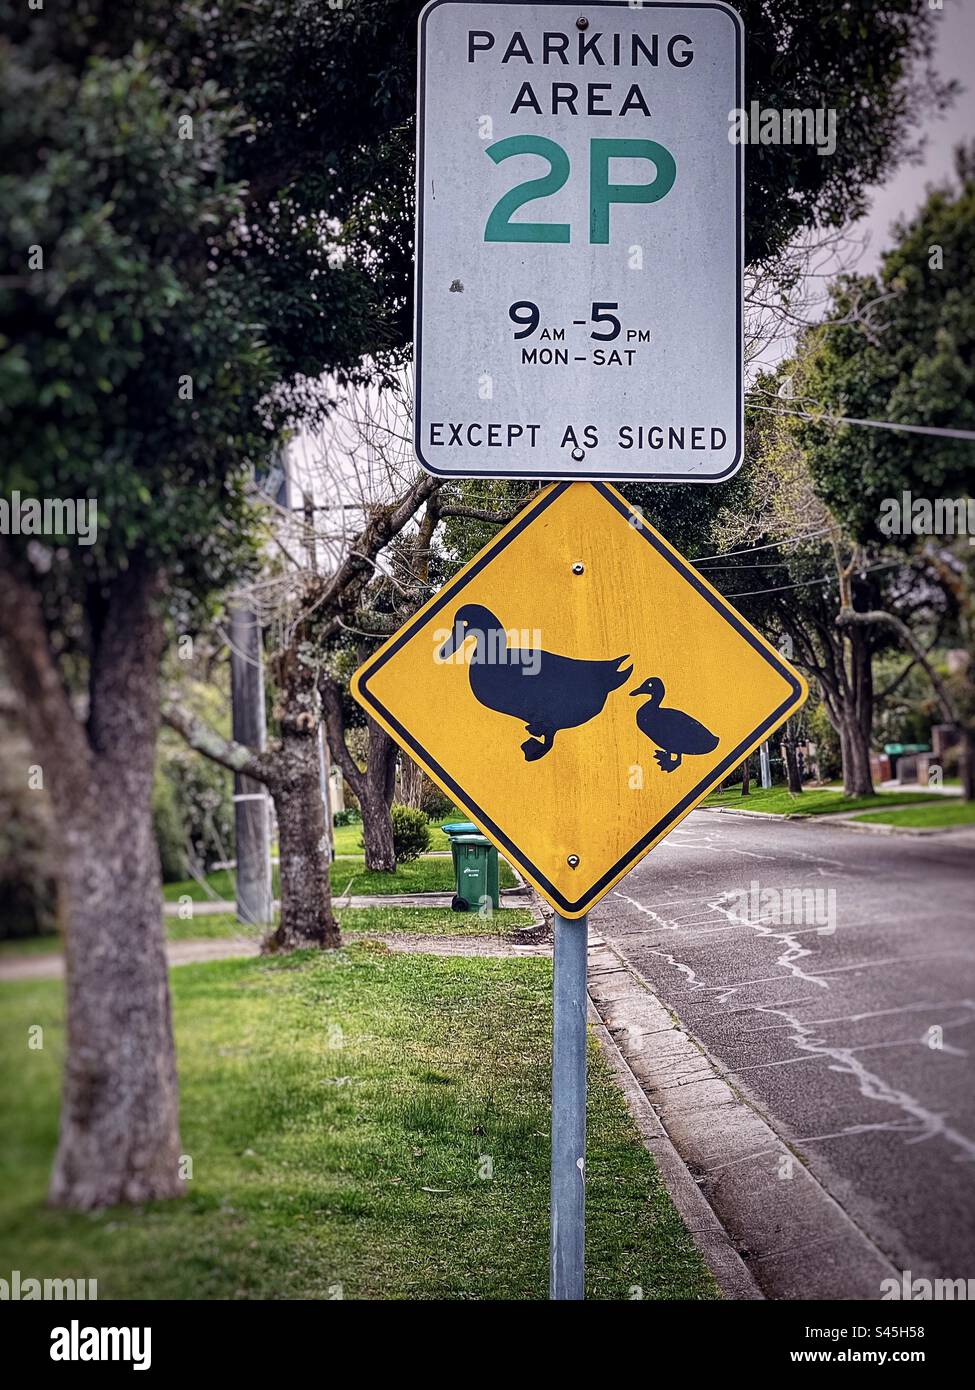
<point>544,691</point>
<point>675,733</point>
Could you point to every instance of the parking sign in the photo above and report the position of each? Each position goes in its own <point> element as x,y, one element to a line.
<point>579,241</point>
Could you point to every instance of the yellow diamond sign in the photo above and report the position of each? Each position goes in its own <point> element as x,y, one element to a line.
<point>578,688</point>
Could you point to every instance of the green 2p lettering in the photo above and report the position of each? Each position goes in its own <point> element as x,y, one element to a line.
<point>602,193</point>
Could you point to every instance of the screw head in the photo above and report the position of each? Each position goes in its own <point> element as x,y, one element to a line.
<point>578,568</point>
<point>582,22</point>
<point>573,861</point>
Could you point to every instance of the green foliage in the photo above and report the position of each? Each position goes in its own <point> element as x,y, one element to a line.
<point>434,803</point>
<point>350,816</point>
<point>910,359</point>
<point>872,65</point>
<point>826,739</point>
<point>169,830</point>
<point>28,889</point>
<point>411,832</point>
<point>203,791</point>
<point>131,305</point>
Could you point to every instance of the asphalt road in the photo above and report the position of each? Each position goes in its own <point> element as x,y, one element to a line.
<point>851,1028</point>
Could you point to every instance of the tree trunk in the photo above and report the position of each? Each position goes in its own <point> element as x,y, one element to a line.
<point>745,779</point>
<point>377,828</point>
<point>374,787</point>
<point>411,782</point>
<point>119,1136</point>
<point>306,893</point>
<point>793,777</point>
<point>855,751</point>
<point>375,799</point>
<point>966,764</point>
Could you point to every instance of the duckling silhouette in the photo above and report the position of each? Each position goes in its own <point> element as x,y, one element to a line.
<point>675,733</point>
<point>544,691</point>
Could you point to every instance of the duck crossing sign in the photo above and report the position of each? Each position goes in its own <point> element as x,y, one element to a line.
<point>578,688</point>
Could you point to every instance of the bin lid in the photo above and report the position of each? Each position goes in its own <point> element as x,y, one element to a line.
<point>476,839</point>
<point>460,827</point>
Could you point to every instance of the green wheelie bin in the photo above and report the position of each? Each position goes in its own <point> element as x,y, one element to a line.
<point>475,862</point>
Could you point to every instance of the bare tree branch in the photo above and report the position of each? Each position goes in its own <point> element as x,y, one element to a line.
<point>203,738</point>
<point>878,618</point>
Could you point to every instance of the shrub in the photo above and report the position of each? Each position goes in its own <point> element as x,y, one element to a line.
<point>350,816</point>
<point>411,833</point>
<point>434,803</point>
<point>170,830</point>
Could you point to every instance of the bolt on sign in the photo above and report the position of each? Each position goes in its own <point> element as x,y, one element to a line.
<point>578,688</point>
<point>579,241</point>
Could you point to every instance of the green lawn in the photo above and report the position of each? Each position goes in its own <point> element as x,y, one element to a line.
<point>342,1111</point>
<point>30,946</point>
<point>421,876</point>
<point>940,815</point>
<point>414,921</point>
<point>811,803</point>
<point>348,837</point>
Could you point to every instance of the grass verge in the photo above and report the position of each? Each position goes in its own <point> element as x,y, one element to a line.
<point>342,1112</point>
<point>781,801</point>
<point>933,816</point>
<point>421,876</point>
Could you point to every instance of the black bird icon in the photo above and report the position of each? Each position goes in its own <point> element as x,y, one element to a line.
<point>674,732</point>
<point>544,691</point>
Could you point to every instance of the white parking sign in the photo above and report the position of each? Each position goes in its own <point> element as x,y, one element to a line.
<point>579,241</point>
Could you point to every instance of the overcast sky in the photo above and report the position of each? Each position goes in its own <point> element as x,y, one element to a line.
<point>905,191</point>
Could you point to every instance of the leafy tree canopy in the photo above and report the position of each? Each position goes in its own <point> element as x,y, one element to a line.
<point>908,359</point>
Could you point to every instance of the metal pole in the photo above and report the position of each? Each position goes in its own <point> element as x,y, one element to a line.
<point>568,1207</point>
<point>766,766</point>
<point>254,903</point>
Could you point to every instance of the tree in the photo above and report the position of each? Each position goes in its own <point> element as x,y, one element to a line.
<point>146,354</point>
<point>796,573</point>
<point>306,612</point>
<point>111,350</point>
<point>911,362</point>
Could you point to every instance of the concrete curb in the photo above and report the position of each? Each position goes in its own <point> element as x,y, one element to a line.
<point>722,1259</point>
<point>799,1243</point>
<point>844,822</point>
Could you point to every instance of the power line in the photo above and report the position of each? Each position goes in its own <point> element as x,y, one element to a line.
<point>935,430</point>
<point>752,549</point>
<point>805,583</point>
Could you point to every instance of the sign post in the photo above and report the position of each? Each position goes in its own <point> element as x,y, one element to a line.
<point>579,241</point>
<point>567,1230</point>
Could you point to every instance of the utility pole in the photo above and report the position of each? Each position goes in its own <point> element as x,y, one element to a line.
<point>251,819</point>
<point>766,765</point>
<point>324,757</point>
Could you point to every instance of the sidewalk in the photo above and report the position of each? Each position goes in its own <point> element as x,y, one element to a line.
<point>512,897</point>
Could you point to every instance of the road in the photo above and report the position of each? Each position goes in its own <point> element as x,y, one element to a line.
<point>851,1029</point>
